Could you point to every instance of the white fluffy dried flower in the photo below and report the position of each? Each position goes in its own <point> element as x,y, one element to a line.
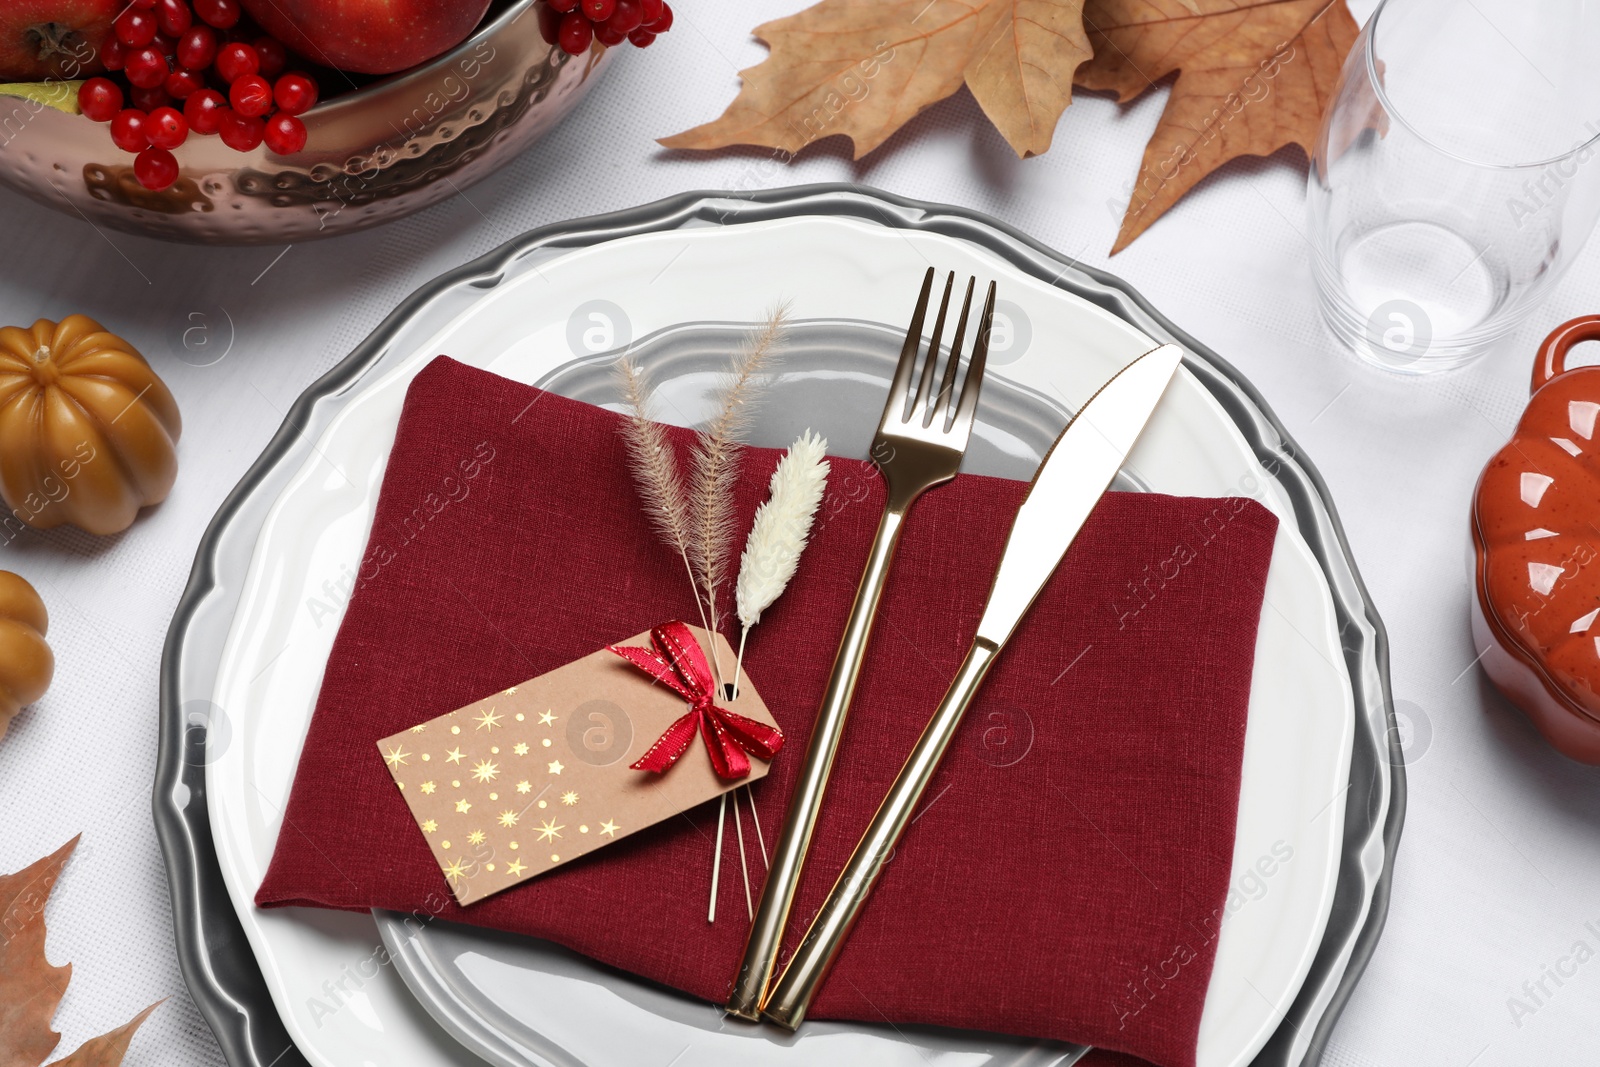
<point>781,527</point>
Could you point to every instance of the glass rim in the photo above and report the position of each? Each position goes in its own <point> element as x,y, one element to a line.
<point>1369,32</point>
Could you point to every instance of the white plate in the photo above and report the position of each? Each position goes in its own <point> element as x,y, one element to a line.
<point>1302,713</point>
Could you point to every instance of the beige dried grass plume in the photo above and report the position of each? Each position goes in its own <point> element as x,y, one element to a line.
<point>715,466</point>
<point>655,472</point>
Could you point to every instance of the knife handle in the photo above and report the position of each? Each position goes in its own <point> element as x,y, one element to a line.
<point>788,855</point>
<point>791,996</point>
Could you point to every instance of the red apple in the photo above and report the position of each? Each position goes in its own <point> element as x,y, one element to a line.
<point>42,39</point>
<point>368,36</point>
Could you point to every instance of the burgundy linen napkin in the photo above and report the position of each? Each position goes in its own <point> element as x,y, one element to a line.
<point>1066,874</point>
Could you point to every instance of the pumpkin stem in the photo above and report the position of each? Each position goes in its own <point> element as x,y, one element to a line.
<point>45,371</point>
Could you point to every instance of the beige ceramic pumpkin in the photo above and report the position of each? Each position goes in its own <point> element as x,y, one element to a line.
<point>87,430</point>
<point>26,663</point>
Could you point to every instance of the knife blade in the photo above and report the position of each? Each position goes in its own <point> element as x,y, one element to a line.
<point>1071,479</point>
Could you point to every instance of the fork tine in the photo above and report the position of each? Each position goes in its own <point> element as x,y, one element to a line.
<point>973,383</point>
<point>901,385</point>
<point>939,407</point>
<point>925,386</point>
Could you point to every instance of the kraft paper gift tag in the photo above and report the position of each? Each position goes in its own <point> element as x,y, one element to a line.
<point>520,782</point>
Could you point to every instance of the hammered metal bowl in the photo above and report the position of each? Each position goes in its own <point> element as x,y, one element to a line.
<point>373,154</point>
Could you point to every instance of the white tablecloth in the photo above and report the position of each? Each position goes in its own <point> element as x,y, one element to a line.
<point>1501,852</point>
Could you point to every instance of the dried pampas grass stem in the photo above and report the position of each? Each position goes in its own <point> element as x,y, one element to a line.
<point>655,472</point>
<point>715,467</point>
<point>713,474</point>
<point>716,857</point>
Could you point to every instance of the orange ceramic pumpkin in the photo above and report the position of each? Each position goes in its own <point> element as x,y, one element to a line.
<point>26,664</point>
<point>87,430</point>
<point>1536,524</point>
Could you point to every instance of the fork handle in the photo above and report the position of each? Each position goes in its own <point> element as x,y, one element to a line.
<point>791,996</point>
<point>788,855</point>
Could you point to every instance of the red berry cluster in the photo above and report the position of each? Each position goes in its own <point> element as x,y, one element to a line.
<point>574,24</point>
<point>201,56</point>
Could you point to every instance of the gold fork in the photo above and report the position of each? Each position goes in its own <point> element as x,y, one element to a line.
<point>921,440</point>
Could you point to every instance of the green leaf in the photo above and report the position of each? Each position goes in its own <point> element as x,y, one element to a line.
<point>63,96</point>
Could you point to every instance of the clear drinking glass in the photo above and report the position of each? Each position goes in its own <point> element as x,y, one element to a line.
<point>1455,177</point>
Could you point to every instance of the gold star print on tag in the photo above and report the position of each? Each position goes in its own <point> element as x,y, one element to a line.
<point>545,764</point>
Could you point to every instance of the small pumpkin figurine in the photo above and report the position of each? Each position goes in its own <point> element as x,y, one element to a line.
<point>1536,528</point>
<point>88,432</point>
<point>26,663</point>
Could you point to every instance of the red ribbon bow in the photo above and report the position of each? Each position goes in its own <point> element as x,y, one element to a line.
<point>676,660</point>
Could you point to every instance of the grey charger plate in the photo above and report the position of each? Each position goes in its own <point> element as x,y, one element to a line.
<point>213,951</point>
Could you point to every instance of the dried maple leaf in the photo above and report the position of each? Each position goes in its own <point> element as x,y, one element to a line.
<point>1255,76</point>
<point>107,1050</point>
<point>863,68</point>
<point>30,988</point>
